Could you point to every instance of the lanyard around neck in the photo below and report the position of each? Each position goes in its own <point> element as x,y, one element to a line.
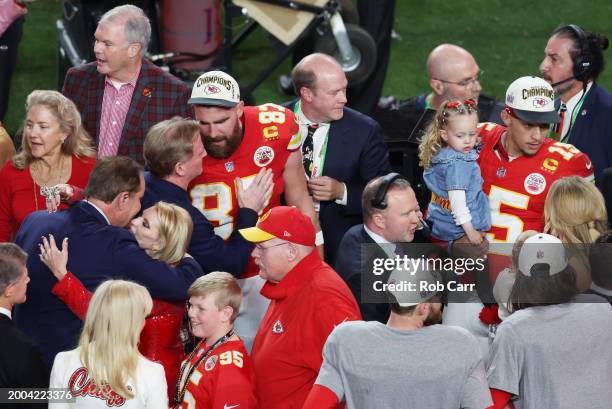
<point>182,384</point>
<point>574,115</point>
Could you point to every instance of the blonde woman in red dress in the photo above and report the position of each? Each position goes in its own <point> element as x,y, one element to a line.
<point>164,232</point>
<point>56,157</point>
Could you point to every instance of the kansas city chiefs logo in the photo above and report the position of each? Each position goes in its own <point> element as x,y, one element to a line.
<point>539,102</point>
<point>211,89</point>
<point>263,156</point>
<point>277,328</point>
<point>210,363</point>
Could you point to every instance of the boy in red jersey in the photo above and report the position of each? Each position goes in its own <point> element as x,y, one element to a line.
<point>218,373</point>
<point>240,141</point>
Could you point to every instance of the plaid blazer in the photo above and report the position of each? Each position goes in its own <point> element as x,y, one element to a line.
<point>157,96</point>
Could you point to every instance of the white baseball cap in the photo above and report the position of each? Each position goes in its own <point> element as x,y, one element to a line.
<point>215,88</point>
<point>424,285</point>
<point>542,249</point>
<point>532,100</point>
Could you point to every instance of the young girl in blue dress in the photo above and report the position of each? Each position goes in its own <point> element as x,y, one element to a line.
<point>447,152</point>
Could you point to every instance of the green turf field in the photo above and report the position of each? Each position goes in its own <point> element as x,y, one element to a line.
<point>506,37</point>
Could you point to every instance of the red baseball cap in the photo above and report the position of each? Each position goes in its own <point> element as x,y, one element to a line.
<point>283,222</point>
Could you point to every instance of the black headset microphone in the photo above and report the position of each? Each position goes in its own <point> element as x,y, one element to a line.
<point>379,201</point>
<point>573,77</point>
<point>582,64</point>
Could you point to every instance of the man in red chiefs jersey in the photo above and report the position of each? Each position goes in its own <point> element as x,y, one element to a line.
<point>240,141</point>
<point>518,165</point>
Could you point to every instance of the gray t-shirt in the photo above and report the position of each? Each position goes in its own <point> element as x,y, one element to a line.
<point>373,366</point>
<point>555,357</point>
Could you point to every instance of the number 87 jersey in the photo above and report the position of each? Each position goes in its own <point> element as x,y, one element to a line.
<point>517,188</point>
<point>270,134</point>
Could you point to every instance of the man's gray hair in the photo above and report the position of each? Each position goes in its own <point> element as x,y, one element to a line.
<point>12,259</point>
<point>137,27</point>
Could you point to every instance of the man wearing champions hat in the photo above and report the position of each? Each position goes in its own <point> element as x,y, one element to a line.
<point>373,365</point>
<point>553,351</point>
<point>308,299</point>
<point>241,143</point>
<point>518,166</point>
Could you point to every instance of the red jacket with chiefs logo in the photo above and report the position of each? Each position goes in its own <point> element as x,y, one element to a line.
<point>517,189</point>
<point>305,307</point>
<point>225,379</point>
<point>270,135</point>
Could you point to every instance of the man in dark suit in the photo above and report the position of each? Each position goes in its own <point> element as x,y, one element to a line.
<point>393,220</point>
<point>121,95</point>
<point>173,152</point>
<point>342,149</point>
<point>21,363</point>
<point>573,60</point>
<point>100,249</point>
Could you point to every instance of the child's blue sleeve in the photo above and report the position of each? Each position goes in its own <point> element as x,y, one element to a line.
<point>458,175</point>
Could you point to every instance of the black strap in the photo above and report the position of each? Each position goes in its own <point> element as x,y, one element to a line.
<point>180,389</point>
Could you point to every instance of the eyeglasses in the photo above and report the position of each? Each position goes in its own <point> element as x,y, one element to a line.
<point>262,248</point>
<point>465,83</point>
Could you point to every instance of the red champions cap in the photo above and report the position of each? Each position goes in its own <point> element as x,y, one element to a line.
<point>283,222</point>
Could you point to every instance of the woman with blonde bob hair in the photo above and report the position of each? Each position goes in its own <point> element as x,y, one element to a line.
<point>164,232</point>
<point>575,212</point>
<point>106,366</point>
<point>54,162</point>
<point>175,228</point>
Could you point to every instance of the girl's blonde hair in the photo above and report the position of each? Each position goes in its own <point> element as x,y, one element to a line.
<point>109,341</point>
<point>78,141</point>
<point>175,228</point>
<point>432,141</point>
<point>575,211</point>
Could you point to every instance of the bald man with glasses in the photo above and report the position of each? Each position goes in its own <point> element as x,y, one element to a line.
<point>453,74</point>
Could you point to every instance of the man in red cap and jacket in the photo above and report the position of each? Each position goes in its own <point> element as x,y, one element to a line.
<point>308,299</point>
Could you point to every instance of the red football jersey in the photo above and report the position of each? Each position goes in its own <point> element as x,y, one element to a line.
<point>517,189</point>
<point>223,380</point>
<point>270,135</point>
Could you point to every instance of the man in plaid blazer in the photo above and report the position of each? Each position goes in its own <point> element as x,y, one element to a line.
<point>121,94</point>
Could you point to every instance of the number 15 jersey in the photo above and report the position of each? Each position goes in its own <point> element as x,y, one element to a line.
<point>517,188</point>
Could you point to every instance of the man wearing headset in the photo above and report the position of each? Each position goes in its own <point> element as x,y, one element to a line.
<point>573,60</point>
